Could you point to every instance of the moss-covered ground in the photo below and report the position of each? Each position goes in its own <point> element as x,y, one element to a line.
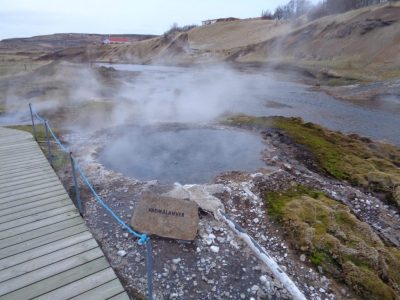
<point>372,165</point>
<point>334,239</point>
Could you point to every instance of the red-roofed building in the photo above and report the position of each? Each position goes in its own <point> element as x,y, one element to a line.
<point>115,40</point>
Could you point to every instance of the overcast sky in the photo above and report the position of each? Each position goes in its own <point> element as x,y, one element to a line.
<point>24,18</point>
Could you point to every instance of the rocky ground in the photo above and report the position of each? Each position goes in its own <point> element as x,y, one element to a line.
<point>218,264</point>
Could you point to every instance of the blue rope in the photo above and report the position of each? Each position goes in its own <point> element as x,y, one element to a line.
<point>63,148</point>
<point>143,238</point>
<point>37,116</point>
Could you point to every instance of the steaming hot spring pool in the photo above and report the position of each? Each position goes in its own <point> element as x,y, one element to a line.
<point>184,155</point>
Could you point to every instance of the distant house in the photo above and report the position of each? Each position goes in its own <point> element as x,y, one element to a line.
<point>115,40</point>
<point>212,21</point>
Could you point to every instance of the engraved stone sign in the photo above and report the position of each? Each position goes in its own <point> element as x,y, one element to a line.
<point>166,217</point>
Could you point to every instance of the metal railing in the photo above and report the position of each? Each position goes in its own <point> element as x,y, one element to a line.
<point>77,170</point>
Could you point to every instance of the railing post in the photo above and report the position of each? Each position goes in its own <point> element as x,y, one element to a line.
<point>149,269</point>
<point>33,122</point>
<point>48,142</point>
<point>77,192</point>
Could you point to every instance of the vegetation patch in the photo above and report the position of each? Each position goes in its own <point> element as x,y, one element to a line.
<point>334,239</point>
<point>365,163</point>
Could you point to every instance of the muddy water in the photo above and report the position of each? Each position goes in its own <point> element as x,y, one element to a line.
<point>264,94</point>
<point>184,155</point>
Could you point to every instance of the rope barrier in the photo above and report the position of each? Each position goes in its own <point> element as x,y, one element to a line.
<point>143,238</point>
<point>63,148</point>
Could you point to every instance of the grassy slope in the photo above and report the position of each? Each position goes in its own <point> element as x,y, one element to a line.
<point>362,162</point>
<point>344,45</point>
<point>336,240</point>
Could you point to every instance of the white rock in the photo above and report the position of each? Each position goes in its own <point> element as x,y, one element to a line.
<point>303,258</point>
<point>214,249</point>
<point>254,289</point>
<point>234,244</point>
<point>287,166</point>
<point>176,260</point>
<point>263,279</point>
<point>256,220</point>
<point>209,241</point>
<point>254,175</point>
<point>121,253</point>
<point>201,194</point>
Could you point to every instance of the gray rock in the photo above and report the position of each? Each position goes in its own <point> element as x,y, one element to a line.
<point>176,260</point>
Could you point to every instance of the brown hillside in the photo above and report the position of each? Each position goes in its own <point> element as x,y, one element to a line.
<point>363,43</point>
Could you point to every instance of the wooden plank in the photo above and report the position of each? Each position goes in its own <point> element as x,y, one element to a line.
<point>48,271</point>
<point>42,240</point>
<point>34,207</point>
<point>45,260</point>
<point>20,152</point>
<point>18,184</point>
<point>28,196</point>
<point>24,173</point>
<point>26,157</point>
<point>21,229</point>
<point>24,184</point>
<point>14,153</point>
<point>31,166</point>
<point>19,145</point>
<point>48,209</point>
<point>28,191</point>
<point>45,249</point>
<point>37,217</point>
<point>53,194</point>
<point>42,231</point>
<point>18,164</point>
<point>15,160</point>
<point>104,291</point>
<point>21,176</point>
<point>78,287</point>
<point>59,280</point>
<point>122,296</point>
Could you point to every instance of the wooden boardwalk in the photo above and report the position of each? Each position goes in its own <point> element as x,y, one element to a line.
<point>46,250</point>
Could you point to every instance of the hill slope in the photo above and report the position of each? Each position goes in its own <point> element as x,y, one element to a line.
<point>363,43</point>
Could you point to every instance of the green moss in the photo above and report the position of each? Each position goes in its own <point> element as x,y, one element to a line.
<point>277,201</point>
<point>317,257</point>
<point>334,239</point>
<point>358,160</point>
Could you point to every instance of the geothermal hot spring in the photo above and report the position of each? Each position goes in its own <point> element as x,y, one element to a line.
<point>185,155</point>
<point>196,154</point>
